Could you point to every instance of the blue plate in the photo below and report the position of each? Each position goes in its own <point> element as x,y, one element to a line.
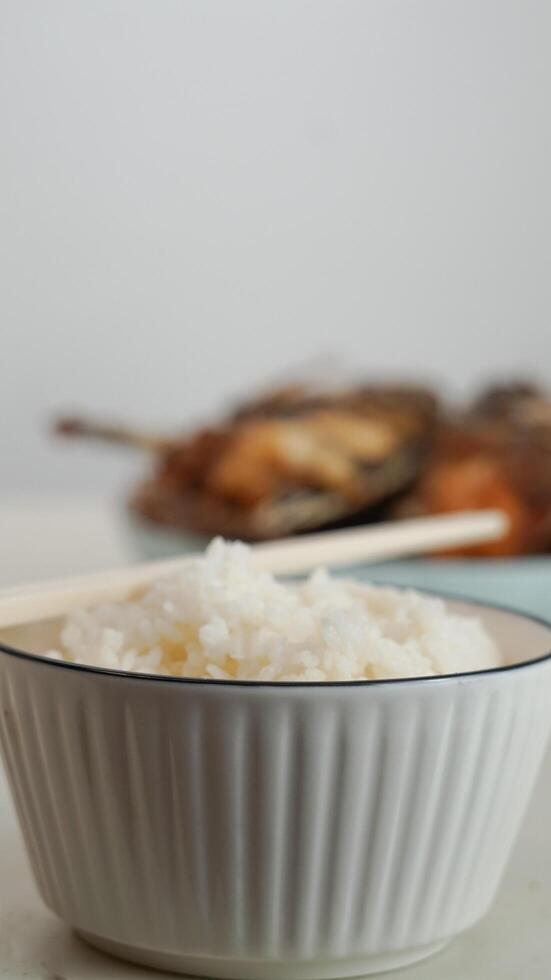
<point>524,583</point>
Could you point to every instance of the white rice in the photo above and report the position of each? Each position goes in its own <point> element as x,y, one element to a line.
<point>219,618</point>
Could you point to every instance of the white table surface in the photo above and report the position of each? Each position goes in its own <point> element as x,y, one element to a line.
<point>57,537</point>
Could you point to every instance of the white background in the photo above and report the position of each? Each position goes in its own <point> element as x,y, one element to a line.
<point>196,194</point>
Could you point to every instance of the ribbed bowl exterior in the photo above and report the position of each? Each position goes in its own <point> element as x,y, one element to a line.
<point>254,824</point>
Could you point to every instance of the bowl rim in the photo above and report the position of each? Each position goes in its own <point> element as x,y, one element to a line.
<point>433,679</point>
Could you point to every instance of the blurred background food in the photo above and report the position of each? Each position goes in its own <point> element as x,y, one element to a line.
<point>200,198</point>
<point>303,457</point>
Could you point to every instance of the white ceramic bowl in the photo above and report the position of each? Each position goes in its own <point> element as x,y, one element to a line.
<point>273,831</point>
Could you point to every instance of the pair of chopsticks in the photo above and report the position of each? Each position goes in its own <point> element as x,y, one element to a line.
<point>47,600</point>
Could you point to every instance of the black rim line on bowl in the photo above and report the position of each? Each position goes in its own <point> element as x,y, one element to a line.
<point>222,682</point>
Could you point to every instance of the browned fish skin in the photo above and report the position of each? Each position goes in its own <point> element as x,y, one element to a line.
<point>299,459</point>
<point>498,454</point>
<point>293,461</point>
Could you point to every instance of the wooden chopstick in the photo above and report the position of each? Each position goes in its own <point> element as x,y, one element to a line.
<point>51,599</point>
